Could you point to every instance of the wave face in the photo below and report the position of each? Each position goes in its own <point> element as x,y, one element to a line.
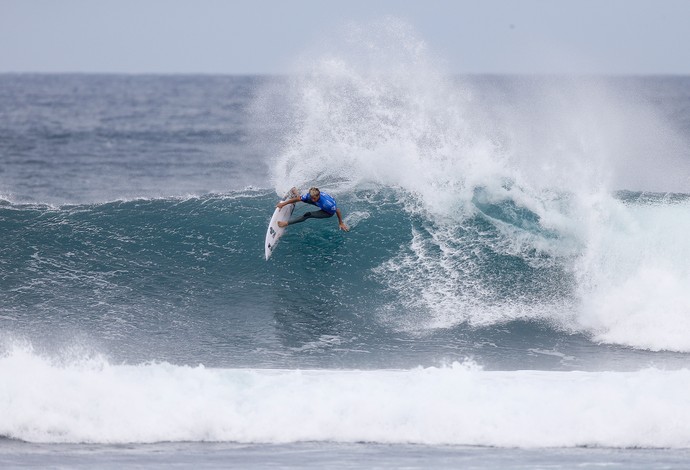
<point>183,279</point>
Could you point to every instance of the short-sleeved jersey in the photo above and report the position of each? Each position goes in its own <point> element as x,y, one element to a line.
<point>325,203</point>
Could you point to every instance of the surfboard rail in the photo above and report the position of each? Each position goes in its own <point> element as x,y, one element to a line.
<point>274,232</point>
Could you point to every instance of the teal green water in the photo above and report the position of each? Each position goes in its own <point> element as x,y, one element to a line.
<point>184,280</point>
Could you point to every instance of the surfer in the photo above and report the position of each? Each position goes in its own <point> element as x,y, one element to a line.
<point>323,201</point>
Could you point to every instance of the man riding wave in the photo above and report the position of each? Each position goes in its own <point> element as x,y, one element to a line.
<point>325,202</point>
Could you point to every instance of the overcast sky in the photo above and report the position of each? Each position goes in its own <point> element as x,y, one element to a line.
<point>265,36</point>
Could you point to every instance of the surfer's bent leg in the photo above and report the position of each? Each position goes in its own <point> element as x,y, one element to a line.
<point>310,215</point>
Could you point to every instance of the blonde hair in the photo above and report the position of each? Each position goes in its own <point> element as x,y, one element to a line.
<point>313,191</point>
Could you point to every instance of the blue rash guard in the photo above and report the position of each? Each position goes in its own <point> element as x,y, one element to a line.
<point>326,202</point>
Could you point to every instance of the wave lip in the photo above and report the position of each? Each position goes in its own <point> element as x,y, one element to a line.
<point>93,401</point>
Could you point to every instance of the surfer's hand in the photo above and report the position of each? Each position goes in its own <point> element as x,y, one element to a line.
<point>280,204</point>
<point>344,227</point>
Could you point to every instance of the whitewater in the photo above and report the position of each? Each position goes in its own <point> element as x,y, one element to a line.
<point>513,292</point>
<point>96,402</point>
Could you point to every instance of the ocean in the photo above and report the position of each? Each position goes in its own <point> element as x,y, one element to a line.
<point>514,291</point>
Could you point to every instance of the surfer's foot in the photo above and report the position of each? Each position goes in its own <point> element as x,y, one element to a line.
<point>282,224</point>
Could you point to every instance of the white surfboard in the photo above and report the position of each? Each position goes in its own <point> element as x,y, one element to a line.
<point>274,232</point>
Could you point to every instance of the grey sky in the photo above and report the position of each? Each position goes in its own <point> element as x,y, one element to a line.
<point>265,36</point>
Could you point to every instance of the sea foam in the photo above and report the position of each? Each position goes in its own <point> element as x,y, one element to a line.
<point>93,401</point>
<point>539,158</point>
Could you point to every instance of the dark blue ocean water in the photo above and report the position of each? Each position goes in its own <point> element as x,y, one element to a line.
<point>513,292</point>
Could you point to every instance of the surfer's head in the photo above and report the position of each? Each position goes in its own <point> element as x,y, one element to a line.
<point>314,194</point>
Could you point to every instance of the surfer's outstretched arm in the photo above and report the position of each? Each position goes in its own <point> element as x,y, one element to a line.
<point>343,226</point>
<point>288,201</point>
